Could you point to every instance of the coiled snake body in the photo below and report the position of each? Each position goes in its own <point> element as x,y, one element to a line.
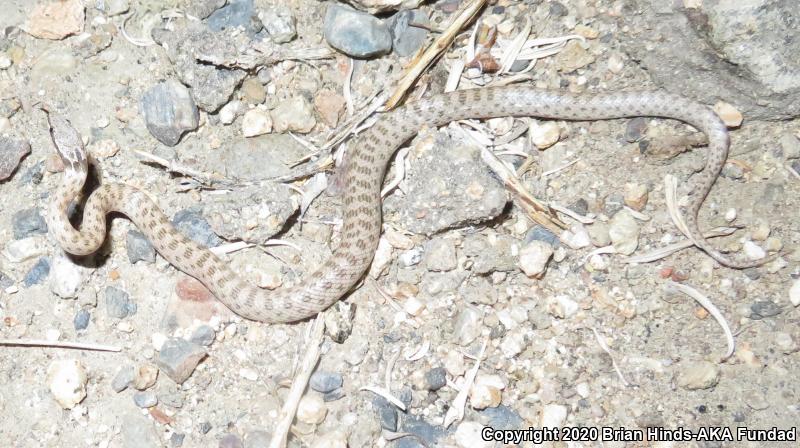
<point>365,169</point>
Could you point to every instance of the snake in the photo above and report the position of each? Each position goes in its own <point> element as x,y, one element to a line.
<point>364,170</point>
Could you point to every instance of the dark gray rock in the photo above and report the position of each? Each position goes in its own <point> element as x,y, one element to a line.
<point>758,70</point>
<point>356,33</point>
<point>635,129</point>
<point>32,175</point>
<point>764,308</point>
<point>139,248</point>
<point>237,13</point>
<point>178,358</point>
<point>11,153</point>
<point>192,224</point>
<point>435,378</point>
<point>614,203</point>
<point>502,417</point>
<point>407,37</point>
<point>38,273</point>
<point>176,439</point>
<point>81,320</point>
<point>325,382</point>
<point>416,425</point>
<point>118,303</point>
<point>387,413</point>
<point>169,111</point>
<point>539,233</point>
<point>28,222</point>
<point>557,9</point>
<point>124,377</point>
<point>203,335</point>
<point>336,394</point>
<point>279,23</point>
<point>5,280</point>
<point>145,399</point>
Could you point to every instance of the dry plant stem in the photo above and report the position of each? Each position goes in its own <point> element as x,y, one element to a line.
<point>299,384</point>
<point>539,212</point>
<point>58,344</point>
<point>706,303</point>
<point>461,18</point>
<point>605,348</point>
<point>456,411</point>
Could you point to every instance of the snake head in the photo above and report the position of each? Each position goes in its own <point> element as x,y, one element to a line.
<point>67,141</point>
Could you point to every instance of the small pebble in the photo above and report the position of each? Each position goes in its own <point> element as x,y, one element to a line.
<point>145,399</point>
<point>145,377</point>
<point>435,378</point>
<point>28,222</point>
<point>81,320</point>
<point>118,303</point>
<point>624,233</point>
<point>334,439</point>
<point>295,114</point>
<point>790,145</point>
<point>467,326</point>
<point>730,214</point>
<point>169,111</point>
<point>324,382</point>
<point>311,409</point>
<point>38,273</point>
<point>533,258</point>
<point>356,33</point>
<point>698,375</point>
<point>67,382</point>
<point>636,196</point>
<point>544,135</point>
<point>763,309</point>
<point>279,22</point>
<point>204,335</point>
<point>553,416</point>
<point>123,378</point>
<point>761,230</point>
<point>178,358</point>
<point>414,306</point>
<point>256,122</point>
<point>729,114</point>
<point>248,374</point>
<point>230,441</point>
<point>66,278</point>
<point>753,251</point>
<point>794,293</point>
<point>139,248</point>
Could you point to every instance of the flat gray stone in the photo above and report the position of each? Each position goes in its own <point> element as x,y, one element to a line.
<point>356,33</point>
<point>169,111</point>
<point>178,358</point>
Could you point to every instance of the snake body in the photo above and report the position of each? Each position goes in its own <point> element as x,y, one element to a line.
<point>365,169</point>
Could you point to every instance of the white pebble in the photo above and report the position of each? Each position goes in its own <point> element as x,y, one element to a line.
<point>730,215</point>
<point>52,334</point>
<point>533,258</point>
<point>582,389</point>
<point>5,124</point>
<point>65,278</point>
<point>615,63</point>
<point>335,439</point>
<point>624,233</point>
<point>158,340</point>
<point>512,345</point>
<point>564,307</point>
<point>576,237</point>
<point>229,112</point>
<point>383,255</point>
<point>468,435</point>
<point>248,374</point>
<point>67,382</point>
<point>794,293</point>
<point>256,122</point>
<point>729,114</point>
<point>311,409</point>
<point>414,306</point>
<point>544,135</point>
<point>753,251</point>
<point>484,396</point>
<point>553,416</point>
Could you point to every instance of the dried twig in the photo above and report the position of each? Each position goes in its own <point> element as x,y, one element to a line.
<point>385,394</point>
<point>299,384</point>
<point>605,348</point>
<point>399,172</point>
<point>58,344</point>
<point>705,302</point>
<point>208,179</point>
<point>421,63</point>
<point>456,411</point>
<point>670,249</point>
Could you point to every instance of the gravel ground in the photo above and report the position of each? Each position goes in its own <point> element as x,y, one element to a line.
<point>238,94</point>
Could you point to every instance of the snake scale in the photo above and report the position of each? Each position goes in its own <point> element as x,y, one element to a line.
<point>365,169</point>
